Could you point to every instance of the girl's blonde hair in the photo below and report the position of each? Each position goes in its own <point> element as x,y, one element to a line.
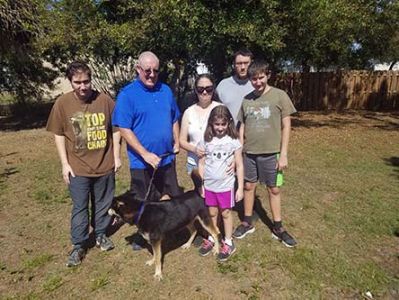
<point>220,112</point>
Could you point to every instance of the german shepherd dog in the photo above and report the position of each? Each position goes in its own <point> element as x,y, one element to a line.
<point>156,219</point>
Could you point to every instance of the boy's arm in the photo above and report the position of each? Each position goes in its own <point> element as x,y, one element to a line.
<point>66,168</point>
<point>239,173</point>
<point>241,133</point>
<point>116,140</point>
<point>285,137</point>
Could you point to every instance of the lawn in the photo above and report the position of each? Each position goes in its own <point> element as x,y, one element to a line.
<point>340,201</point>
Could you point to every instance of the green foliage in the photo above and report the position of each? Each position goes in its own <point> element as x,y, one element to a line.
<point>340,34</point>
<point>318,33</point>
<point>22,72</point>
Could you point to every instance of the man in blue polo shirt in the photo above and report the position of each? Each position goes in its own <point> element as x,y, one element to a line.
<point>147,116</point>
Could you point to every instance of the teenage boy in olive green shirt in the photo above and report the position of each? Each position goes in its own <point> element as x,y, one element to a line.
<point>264,131</point>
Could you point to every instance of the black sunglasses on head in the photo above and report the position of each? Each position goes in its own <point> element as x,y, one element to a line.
<point>201,89</point>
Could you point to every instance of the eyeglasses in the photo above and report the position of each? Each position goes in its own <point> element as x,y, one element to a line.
<point>207,89</point>
<point>149,71</point>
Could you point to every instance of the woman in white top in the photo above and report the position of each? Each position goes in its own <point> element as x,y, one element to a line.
<point>194,122</point>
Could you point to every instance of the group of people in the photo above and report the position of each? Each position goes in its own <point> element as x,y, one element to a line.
<point>235,135</point>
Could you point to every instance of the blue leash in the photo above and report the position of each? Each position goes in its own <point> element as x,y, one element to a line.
<point>141,209</point>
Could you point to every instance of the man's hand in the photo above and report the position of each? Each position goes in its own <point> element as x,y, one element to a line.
<point>66,170</point>
<point>118,164</point>
<point>176,148</point>
<point>152,159</point>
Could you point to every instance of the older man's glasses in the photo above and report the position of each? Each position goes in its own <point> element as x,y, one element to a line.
<point>149,71</point>
<point>202,89</point>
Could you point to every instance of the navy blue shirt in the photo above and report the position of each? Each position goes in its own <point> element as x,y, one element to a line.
<point>150,114</point>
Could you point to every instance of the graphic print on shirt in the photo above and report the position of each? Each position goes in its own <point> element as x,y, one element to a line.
<point>259,114</point>
<point>220,154</point>
<point>90,130</point>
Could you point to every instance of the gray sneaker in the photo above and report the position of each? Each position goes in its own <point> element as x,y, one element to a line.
<point>283,236</point>
<point>75,257</point>
<point>242,230</point>
<point>104,243</point>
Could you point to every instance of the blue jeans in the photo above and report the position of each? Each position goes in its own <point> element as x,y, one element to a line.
<point>100,190</point>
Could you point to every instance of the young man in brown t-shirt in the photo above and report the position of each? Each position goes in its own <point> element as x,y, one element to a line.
<point>89,150</point>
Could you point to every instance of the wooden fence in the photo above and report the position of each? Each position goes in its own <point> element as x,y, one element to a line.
<point>371,90</point>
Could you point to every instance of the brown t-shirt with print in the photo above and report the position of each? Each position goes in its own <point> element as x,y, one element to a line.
<point>87,129</point>
<point>262,116</point>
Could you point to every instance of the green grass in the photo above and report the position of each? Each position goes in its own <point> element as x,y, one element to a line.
<point>99,281</point>
<point>52,283</point>
<point>38,261</point>
<point>339,201</point>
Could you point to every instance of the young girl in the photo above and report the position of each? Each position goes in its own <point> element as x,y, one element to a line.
<point>222,147</point>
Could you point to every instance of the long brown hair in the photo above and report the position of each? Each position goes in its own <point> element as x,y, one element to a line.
<point>220,112</point>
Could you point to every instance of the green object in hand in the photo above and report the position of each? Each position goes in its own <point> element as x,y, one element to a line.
<point>280,178</point>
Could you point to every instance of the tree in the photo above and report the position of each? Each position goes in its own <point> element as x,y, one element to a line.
<point>339,33</point>
<point>22,72</point>
<point>180,32</point>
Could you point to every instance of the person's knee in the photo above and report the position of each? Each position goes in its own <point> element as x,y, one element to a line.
<point>213,212</point>
<point>249,186</point>
<point>226,213</point>
<point>274,191</point>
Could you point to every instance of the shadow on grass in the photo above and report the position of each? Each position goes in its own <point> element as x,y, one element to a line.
<point>393,161</point>
<point>25,116</point>
<point>259,212</point>
<point>7,173</point>
<point>333,119</point>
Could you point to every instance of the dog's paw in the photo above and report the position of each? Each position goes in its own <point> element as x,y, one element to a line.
<point>186,246</point>
<point>215,250</point>
<point>150,262</point>
<point>158,276</point>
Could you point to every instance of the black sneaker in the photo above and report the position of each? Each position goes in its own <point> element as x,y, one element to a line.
<point>206,247</point>
<point>282,235</point>
<point>226,251</point>
<point>104,243</point>
<point>75,257</point>
<point>242,230</point>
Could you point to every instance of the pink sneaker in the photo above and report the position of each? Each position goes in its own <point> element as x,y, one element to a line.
<point>226,251</point>
<point>206,247</point>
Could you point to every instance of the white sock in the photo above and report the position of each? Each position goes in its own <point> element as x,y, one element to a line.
<point>228,242</point>
<point>210,238</point>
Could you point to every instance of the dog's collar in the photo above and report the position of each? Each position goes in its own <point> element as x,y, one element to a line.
<point>138,216</point>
